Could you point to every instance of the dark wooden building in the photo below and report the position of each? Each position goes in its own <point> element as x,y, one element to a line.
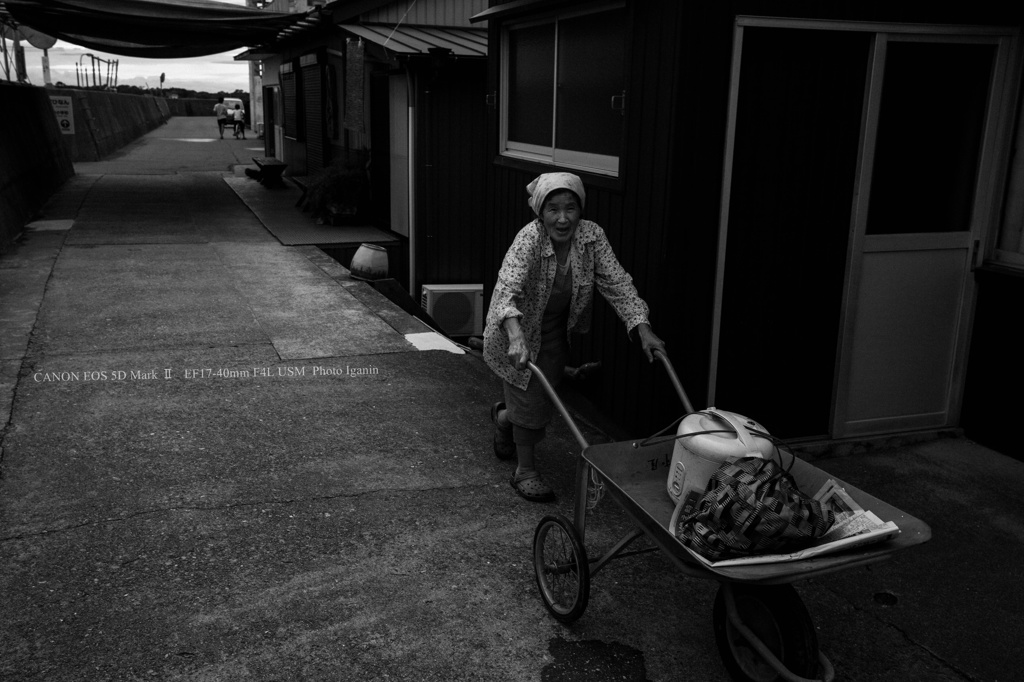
<point>803,193</point>
<point>395,90</point>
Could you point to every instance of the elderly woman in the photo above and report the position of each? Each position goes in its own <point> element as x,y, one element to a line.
<point>545,292</point>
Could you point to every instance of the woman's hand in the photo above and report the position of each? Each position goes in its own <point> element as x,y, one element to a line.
<point>649,341</point>
<point>518,352</point>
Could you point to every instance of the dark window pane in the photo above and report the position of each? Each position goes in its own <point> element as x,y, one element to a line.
<point>591,70</point>
<point>929,137</point>
<point>531,53</point>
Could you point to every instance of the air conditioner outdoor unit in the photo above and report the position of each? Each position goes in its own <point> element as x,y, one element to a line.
<point>457,308</point>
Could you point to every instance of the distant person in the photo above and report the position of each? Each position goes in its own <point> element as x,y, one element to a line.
<point>239,115</point>
<point>221,111</point>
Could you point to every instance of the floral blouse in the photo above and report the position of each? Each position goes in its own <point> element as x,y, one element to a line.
<point>524,285</point>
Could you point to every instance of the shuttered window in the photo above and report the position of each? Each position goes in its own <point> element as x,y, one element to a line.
<point>290,103</point>
<point>312,99</point>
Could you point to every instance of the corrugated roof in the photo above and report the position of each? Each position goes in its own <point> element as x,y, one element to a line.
<point>463,42</point>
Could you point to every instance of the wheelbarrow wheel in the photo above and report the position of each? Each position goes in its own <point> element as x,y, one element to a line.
<point>560,563</point>
<point>775,615</point>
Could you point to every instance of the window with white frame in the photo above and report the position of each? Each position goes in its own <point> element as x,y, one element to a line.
<point>563,89</point>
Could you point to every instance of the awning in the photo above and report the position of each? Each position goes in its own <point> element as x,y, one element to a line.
<point>411,40</point>
<point>152,28</point>
<point>256,54</point>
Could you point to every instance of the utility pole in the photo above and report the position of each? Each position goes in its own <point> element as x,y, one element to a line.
<point>19,60</point>
<point>3,48</point>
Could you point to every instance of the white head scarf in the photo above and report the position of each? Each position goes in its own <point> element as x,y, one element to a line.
<point>545,184</point>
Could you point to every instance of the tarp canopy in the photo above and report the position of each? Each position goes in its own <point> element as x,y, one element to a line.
<point>30,35</point>
<point>151,28</point>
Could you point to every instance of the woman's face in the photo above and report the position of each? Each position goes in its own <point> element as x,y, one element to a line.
<point>560,215</point>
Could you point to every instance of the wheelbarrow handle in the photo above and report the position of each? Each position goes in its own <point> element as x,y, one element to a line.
<point>558,404</point>
<point>660,354</point>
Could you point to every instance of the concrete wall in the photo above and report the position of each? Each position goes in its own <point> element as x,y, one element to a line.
<point>106,121</point>
<point>36,157</point>
<point>34,161</point>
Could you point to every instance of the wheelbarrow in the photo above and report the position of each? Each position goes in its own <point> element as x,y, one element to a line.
<point>762,628</point>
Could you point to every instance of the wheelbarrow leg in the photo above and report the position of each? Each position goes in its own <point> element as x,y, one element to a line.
<point>580,497</point>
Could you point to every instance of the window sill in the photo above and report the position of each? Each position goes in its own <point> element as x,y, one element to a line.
<point>538,167</point>
<point>990,269</point>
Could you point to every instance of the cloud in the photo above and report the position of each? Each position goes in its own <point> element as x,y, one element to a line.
<point>71,65</point>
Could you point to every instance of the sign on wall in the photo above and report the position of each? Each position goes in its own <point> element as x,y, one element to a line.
<point>65,113</point>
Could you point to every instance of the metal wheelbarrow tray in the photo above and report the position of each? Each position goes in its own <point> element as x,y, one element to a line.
<point>634,476</point>
<point>763,631</point>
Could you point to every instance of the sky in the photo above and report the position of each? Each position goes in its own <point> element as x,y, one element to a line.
<point>212,73</point>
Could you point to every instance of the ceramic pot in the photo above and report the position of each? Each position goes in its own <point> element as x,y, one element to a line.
<point>370,262</point>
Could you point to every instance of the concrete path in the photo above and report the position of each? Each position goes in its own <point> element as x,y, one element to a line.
<point>223,459</point>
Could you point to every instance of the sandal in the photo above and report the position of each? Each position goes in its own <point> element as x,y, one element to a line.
<point>504,447</point>
<point>530,487</point>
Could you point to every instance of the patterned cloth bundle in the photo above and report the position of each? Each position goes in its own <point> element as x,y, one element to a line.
<point>751,506</point>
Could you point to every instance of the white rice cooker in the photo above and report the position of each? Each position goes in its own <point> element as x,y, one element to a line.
<point>697,455</point>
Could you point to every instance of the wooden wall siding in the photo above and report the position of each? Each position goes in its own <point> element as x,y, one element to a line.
<point>648,179</point>
<point>451,183</point>
<point>425,13</point>
<point>698,72</point>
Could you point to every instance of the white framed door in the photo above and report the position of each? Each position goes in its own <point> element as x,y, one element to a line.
<point>934,140</point>
<point>918,135</point>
